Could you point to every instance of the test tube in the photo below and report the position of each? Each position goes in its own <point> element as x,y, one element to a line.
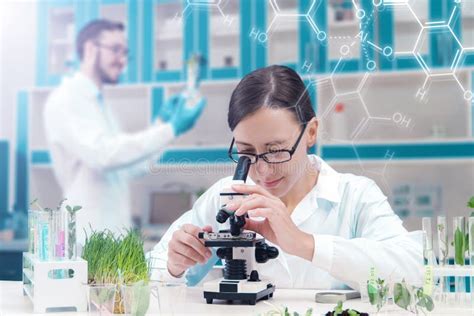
<point>59,235</point>
<point>443,253</point>
<point>193,79</point>
<point>427,241</point>
<point>459,233</point>
<point>471,253</point>
<point>31,231</point>
<point>71,236</point>
<point>43,235</point>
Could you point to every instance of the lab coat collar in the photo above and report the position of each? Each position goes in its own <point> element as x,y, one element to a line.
<point>84,85</point>
<point>327,186</point>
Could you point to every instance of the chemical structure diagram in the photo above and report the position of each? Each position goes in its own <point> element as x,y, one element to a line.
<point>350,95</point>
<point>366,118</point>
<point>329,83</point>
<point>207,5</point>
<point>360,42</point>
<point>445,28</point>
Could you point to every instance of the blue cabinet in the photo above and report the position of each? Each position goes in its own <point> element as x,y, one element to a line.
<point>238,36</point>
<point>420,34</point>
<point>350,36</point>
<point>58,24</point>
<point>167,37</point>
<point>4,178</point>
<point>55,40</point>
<point>224,39</point>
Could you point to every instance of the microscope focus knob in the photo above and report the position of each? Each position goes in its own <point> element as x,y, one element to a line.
<point>264,252</point>
<point>222,216</point>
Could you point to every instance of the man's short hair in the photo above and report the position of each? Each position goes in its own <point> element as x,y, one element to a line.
<point>92,31</point>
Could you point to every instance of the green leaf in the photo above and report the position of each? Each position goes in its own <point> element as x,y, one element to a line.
<point>429,304</point>
<point>60,204</point>
<point>372,292</point>
<point>309,312</point>
<point>466,243</point>
<point>338,309</point>
<point>73,209</point>
<point>459,247</point>
<point>401,295</point>
<point>470,203</point>
<point>352,312</point>
<point>425,302</point>
<point>296,314</point>
<point>140,300</point>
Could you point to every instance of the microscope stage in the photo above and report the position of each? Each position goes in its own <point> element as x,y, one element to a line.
<point>245,291</point>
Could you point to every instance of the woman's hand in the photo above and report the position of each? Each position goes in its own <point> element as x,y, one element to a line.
<point>277,226</point>
<point>185,249</point>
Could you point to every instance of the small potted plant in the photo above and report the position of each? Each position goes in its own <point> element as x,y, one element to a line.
<point>118,274</point>
<point>411,298</point>
<point>378,293</point>
<point>340,311</point>
<point>461,236</point>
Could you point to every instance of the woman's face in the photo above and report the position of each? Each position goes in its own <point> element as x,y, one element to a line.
<point>271,129</point>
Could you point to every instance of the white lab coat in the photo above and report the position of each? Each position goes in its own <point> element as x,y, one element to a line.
<point>92,159</point>
<point>354,229</point>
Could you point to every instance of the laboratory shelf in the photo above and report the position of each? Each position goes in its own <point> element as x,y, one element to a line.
<point>433,150</point>
<point>160,42</point>
<point>351,151</point>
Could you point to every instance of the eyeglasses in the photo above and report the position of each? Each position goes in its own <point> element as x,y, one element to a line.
<point>117,50</point>
<point>274,156</point>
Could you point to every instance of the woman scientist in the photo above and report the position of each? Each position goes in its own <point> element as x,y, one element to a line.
<point>330,227</point>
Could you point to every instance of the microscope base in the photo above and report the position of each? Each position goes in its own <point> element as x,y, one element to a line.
<point>244,291</point>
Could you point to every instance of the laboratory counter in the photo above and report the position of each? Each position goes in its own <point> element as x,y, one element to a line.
<point>189,300</point>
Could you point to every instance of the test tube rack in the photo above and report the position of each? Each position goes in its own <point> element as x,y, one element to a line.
<point>55,285</point>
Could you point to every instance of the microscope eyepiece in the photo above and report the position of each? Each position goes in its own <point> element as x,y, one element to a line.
<point>242,170</point>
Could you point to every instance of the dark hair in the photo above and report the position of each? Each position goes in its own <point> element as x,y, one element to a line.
<point>274,86</point>
<point>92,31</point>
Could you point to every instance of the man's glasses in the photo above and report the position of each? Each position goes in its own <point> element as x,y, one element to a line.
<point>274,156</point>
<point>117,50</point>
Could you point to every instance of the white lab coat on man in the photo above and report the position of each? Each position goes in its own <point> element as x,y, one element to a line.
<point>354,229</point>
<point>92,158</point>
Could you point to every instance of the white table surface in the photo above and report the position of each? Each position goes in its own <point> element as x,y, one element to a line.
<point>190,301</point>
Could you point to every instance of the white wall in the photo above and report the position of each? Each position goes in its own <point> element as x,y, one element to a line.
<point>17,63</point>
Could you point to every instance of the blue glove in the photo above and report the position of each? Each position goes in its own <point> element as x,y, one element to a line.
<point>185,116</point>
<point>168,108</point>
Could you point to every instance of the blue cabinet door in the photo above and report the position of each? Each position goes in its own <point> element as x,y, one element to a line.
<point>223,39</point>
<point>56,30</point>
<point>167,38</point>
<point>58,24</point>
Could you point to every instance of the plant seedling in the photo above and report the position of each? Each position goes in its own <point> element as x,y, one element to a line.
<point>378,294</point>
<point>412,298</point>
<point>284,312</point>
<point>340,311</point>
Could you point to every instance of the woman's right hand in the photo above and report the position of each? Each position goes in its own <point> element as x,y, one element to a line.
<point>185,249</point>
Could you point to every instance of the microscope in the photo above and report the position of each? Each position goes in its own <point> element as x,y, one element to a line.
<point>241,251</point>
